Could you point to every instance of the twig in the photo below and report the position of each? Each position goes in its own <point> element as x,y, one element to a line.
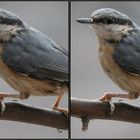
<point>94,109</point>
<point>16,111</point>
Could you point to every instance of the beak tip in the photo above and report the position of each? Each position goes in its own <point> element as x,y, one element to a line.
<point>78,20</point>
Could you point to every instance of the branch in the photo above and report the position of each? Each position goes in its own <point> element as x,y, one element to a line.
<point>93,109</point>
<point>81,108</point>
<point>16,111</point>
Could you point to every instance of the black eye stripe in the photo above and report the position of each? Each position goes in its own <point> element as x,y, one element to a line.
<point>113,21</point>
<point>10,21</point>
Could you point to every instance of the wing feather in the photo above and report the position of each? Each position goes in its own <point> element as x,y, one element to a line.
<point>127,53</point>
<point>35,54</point>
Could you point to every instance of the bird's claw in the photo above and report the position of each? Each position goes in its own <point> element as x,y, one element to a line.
<point>62,110</point>
<point>65,112</point>
<point>3,106</point>
<point>112,107</point>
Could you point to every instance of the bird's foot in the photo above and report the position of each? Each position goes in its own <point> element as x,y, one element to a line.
<point>62,110</point>
<point>16,95</point>
<point>107,97</point>
<point>3,106</point>
<point>2,96</point>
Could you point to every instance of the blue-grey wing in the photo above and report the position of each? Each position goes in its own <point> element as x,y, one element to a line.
<point>35,54</point>
<point>127,52</point>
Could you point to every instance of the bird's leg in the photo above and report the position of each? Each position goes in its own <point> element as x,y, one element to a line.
<point>14,95</point>
<point>56,103</point>
<point>108,96</point>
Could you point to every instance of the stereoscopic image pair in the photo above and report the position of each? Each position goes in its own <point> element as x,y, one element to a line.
<point>69,69</point>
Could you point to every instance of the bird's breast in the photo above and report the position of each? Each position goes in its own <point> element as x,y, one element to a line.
<point>122,78</point>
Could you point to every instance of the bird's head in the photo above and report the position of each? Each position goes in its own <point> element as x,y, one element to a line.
<point>9,25</point>
<point>109,24</point>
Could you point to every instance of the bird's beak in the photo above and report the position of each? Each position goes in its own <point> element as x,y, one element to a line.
<point>85,20</point>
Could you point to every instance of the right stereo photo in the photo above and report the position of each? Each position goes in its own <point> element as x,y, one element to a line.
<point>105,69</point>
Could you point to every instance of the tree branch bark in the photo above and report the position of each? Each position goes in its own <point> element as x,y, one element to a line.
<point>16,111</point>
<point>94,109</point>
<point>81,108</point>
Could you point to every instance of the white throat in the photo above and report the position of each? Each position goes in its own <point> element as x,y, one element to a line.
<point>111,32</point>
<point>7,31</point>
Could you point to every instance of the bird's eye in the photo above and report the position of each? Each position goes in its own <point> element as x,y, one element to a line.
<point>1,19</point>
<point>109,21</point>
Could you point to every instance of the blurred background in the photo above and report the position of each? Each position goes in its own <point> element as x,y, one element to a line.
<point>88,79</point>
<point>50,18</point>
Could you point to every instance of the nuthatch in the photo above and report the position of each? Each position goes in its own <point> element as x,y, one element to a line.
<point>119,50</point>
<point>31,62</point>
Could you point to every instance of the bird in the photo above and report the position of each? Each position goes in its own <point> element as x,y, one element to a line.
<point>31,62</point>
<point>118,39</point>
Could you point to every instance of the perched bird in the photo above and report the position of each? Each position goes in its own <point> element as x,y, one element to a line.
<point>119,50</point>
<point>31,62</point>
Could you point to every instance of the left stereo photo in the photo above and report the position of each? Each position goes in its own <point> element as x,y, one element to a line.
<point>34,69</point>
